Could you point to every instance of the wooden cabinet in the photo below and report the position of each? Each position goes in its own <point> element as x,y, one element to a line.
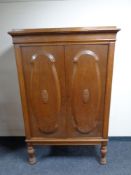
<point>65,83</point>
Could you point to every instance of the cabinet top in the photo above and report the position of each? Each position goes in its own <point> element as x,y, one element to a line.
<point>108,29</point>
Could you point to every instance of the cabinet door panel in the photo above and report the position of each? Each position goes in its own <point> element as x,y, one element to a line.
<point>45,84</point>
<point>86,74</point>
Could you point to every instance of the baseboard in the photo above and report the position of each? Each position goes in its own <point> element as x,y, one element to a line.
<point>12,139</point>
<point>120,138</point>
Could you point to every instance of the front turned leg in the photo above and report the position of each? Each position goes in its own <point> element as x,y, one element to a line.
<point>103,154</point>
<point>31,153</point>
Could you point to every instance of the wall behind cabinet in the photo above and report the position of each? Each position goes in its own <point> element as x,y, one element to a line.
<point>65,13</point>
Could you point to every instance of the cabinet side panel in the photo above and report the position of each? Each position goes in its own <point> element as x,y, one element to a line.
<point>22,90</point>
<point>108,89</point>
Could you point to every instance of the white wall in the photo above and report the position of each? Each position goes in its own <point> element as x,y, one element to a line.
<point>66,13</point>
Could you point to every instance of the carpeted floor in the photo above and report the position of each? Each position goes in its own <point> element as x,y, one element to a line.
<point>65,160</point>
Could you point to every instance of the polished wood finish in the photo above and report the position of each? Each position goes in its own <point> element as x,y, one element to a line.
<point>65,80</point>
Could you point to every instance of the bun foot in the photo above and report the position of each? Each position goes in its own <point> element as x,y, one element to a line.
<point>32,161</point>
<point>103,161</point>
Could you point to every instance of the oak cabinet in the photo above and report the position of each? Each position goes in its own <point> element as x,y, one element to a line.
<point>65,79</point>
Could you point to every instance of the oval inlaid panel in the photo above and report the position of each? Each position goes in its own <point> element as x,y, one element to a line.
<point>45,92</point>
<point>86,90</point>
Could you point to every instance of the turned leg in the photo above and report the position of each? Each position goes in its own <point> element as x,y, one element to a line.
<point>103,154</point>
<point>31,153</point>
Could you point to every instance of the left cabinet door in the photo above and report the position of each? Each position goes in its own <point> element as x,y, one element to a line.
<point>44,74</point>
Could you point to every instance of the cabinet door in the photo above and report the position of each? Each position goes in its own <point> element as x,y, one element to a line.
<point>85,79</point>
<point>44,75</point>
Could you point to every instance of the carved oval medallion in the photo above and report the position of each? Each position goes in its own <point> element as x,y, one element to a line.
<point>44,95</point>
<point>85,96</point>
<point>45,92</point>
<point>86,90</point>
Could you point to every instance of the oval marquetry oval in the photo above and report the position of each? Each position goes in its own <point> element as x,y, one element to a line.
<point>86,91</point>
<point>45,92</point>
